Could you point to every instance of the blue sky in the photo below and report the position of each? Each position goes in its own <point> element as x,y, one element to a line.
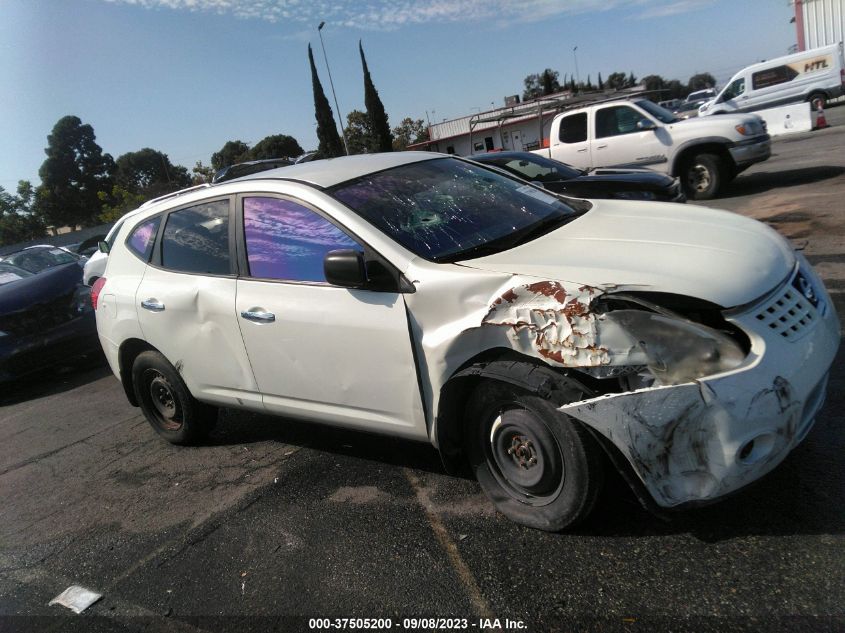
<point>185,76</point>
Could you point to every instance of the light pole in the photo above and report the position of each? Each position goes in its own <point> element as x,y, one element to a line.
<point>575,55</point>
<point>331,83</point>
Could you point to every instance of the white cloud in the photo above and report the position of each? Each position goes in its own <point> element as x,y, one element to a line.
<point>393,14</point>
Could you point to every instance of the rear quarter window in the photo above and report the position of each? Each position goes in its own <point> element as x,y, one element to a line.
<point>142,238</point>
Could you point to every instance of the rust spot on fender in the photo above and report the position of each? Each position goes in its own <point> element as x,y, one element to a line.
<point>549,320</point>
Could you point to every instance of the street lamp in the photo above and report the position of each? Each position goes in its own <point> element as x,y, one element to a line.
<point>575,55</point>
<point>331,83</point>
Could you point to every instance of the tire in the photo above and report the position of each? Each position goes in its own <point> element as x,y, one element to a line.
<point>539,468</point>
<point>816,99</point>
<point>166,402</point>
<point>703,176</point>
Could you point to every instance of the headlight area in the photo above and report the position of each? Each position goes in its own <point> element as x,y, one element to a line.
<point>676,339</point>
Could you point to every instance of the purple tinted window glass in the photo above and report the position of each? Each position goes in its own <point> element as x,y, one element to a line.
<point>284,240</point>
<point>143,237</point>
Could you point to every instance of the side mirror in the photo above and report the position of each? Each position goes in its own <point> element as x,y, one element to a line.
<point>345,268</point>
<point>645,124</point>
<point>103,247</point>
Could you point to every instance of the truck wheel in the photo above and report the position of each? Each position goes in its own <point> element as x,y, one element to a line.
<point>166,402</point>
<point>538,467</point>
<point>817,99</point>
<point>703,176</point>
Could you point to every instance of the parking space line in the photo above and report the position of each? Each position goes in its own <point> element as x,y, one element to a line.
<point>463,571</point>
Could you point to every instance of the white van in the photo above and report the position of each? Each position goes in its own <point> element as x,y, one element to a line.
<point>816,75</point>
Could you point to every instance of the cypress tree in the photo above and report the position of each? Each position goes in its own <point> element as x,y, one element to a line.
<point>382,140</point>
<point>601,84</point>
<point>330,144</point>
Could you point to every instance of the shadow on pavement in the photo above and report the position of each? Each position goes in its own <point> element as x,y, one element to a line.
<point>761,182</point>
<point>53,380</point>
<point>239,427</point>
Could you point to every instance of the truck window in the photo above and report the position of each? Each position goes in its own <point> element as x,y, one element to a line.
<point>573,128</point>
<point>616,120</point>
<point>772,77</point>
<point>736,88</point>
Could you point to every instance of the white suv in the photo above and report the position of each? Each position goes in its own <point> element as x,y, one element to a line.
<point>526,334</point>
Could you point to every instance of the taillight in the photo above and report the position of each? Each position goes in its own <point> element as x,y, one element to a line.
<point>95,290</point>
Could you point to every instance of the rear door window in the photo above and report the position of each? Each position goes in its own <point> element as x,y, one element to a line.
<point>196,239</point>
<point>287,241</point>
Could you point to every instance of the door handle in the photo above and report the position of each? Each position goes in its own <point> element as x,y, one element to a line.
<point>258,316</point>
<point>153,305</point>
<point>581,151</point>
<point>601,146</point>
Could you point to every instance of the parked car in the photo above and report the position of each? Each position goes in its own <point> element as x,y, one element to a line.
<point>45,311</point>
<point>432,298</point>
<point>688,109</point>
<point>96,264</point>
<point>816,75</point>
<point>623,184</point>
<point>701,95</point>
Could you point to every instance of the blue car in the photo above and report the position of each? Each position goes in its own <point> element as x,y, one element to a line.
<point>45,311</point>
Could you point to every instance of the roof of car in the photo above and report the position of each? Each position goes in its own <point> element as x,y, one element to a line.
<point>332,171</point>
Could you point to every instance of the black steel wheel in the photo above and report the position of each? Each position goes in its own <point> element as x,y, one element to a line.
<point>166,402</point>
<point>539,467</point>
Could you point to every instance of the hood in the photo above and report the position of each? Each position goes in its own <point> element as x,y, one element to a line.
<point>706,123</point>
<point>718,256</point>
<point>45,286</point>
<point>635,178</point>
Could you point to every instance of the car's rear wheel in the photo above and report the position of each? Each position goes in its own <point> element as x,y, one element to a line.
<point>166,402</point>
<point>703,176</point>
<point>538,467</point>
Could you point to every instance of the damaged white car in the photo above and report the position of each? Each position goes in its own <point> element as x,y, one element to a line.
<point>528,335</point>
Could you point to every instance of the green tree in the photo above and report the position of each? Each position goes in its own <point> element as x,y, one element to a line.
<point>118,202</point>
<point>150,173</point>
<point>701,81</point>
<point>589,84</point>
<point>330,143</point>
<point>541,84</point>
<point>632,80</point>
<point>675,88</point>
<point>75,170</point>
<point>382,139</point>
<point>231,153</point>
<point>201,173</point>
<point>408,132</point>
<point>17,221</point>
<point>616,81</point>
<point>360,138</point>
<point>600,83</point>
<point>657,85</point>
<point>276,146</point>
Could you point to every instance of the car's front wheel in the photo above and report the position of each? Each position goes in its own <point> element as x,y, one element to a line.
<point>703,176</point>
<point>166,402</point>
<point>538,467</point>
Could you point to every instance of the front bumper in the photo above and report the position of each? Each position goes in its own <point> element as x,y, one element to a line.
<point>754,150</point>
<point>699,441</point>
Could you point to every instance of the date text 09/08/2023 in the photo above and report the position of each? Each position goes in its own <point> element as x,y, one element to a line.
<point>410,624</point>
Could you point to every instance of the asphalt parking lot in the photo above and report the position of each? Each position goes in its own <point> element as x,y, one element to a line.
<point>273,522</point>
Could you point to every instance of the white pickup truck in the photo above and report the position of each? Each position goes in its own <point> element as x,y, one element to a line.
<point>705,153</point>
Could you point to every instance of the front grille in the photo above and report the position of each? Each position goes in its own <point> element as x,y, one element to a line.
<point>40,317</point>
<point>789,313</point>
